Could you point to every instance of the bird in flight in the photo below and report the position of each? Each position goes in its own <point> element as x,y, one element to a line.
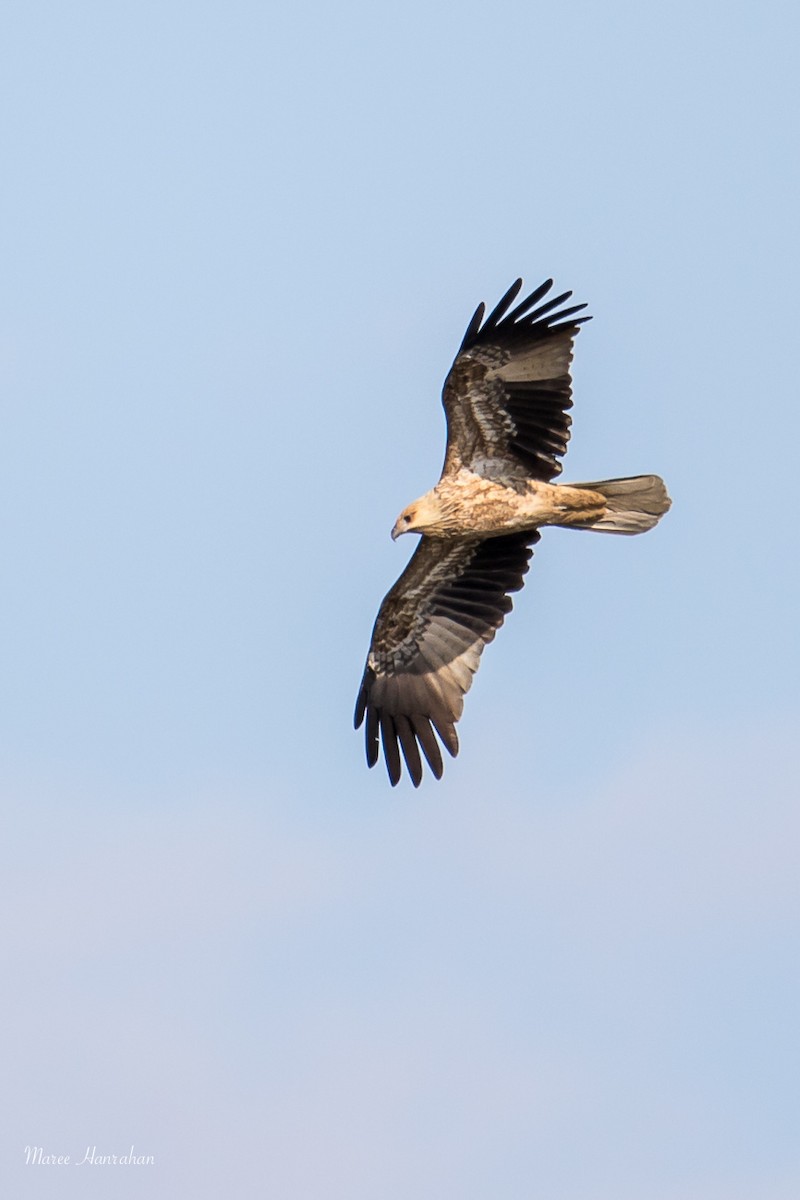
<point>506,400</point>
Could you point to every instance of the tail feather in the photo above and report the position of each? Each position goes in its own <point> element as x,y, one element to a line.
<point>633,505</point>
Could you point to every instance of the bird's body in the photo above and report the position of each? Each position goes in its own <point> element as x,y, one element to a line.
<point>468,503</point>
<point>505,399</point>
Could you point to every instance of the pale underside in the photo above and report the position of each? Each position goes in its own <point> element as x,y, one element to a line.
<point>488,502</point>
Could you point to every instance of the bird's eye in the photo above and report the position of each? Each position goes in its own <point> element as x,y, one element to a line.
<point>407,518</point>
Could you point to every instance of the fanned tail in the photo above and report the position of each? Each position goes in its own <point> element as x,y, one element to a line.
<point>633,505</point>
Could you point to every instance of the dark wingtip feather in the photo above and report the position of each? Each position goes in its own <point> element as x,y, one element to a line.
<point>533,317</point>
<point>429,744</point>
<point>567,312</point>
<point>447,732</point>
<point>362,699</point>
<point>526,320</point>
<point>408,744</point>
<point>473,326</point>
<point>502,304</point>
<point>371,736</point>
<point>391,751</point>
<point>361,707</point>
<point>529,301</point>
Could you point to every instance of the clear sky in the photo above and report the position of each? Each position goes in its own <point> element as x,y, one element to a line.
<point>240,245</point>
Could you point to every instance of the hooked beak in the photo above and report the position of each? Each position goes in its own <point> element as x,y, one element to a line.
<point>398,529</point>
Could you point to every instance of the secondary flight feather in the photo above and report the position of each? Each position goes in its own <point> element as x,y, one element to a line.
<point>506,400</point>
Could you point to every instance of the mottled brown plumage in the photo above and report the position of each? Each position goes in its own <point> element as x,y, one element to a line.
<point>506,400</point>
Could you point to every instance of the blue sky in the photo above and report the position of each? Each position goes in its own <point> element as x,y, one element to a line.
<point>241,243</point>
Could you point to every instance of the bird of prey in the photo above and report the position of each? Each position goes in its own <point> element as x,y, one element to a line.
<point>506,400</point>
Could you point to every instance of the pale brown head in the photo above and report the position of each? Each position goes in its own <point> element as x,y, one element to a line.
<point>423,516</point>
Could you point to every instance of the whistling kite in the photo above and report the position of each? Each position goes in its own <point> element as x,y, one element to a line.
<point>506,401</point>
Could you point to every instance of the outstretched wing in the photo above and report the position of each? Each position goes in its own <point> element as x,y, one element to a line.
<point>427,642</point>
<point>508,391</point>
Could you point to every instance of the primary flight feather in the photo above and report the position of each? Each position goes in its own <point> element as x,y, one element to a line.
<point>506,400</point>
